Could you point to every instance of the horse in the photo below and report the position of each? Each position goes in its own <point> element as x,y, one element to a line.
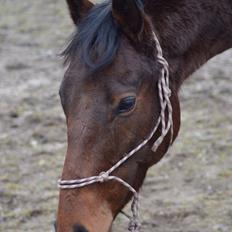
<point>111,99</point>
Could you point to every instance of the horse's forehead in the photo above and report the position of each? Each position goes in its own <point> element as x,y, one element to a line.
<point>122,72</point>
<point>125,65</point>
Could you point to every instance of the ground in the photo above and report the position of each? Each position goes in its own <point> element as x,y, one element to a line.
<point>190,190</point>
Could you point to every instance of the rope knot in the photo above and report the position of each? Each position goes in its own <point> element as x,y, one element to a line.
<point>103,177</point>
<point>134,225</point>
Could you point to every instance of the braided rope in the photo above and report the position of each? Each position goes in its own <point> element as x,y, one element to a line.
<point>166,108</point>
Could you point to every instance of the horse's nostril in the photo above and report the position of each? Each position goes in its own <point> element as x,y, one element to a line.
<point>79,228</point>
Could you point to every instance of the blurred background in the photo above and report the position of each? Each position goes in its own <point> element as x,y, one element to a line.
<point>190,190</point>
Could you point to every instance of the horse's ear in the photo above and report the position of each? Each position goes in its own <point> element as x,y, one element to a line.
<point>78,8</point>
<point>129,15</point>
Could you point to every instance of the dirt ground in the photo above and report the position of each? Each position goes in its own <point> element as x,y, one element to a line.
<point>189,191</point>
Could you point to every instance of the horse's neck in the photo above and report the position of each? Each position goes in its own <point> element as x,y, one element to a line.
<point>191,32</point>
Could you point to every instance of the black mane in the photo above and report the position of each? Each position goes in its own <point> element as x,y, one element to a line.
<point>96,39</point>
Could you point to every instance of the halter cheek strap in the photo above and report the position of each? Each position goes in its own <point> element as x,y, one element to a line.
<point>166,125</point>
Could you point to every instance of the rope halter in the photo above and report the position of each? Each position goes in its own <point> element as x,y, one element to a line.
<point>166,125</point>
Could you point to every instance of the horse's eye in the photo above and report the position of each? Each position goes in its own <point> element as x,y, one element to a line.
<point>126,104</point>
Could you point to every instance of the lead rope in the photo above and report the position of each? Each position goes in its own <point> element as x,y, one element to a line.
<point>166,107</point>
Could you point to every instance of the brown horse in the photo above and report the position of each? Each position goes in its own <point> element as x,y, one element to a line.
<point>110,97</point>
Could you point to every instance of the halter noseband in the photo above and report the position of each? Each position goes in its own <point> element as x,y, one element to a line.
<point>165,103</point>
